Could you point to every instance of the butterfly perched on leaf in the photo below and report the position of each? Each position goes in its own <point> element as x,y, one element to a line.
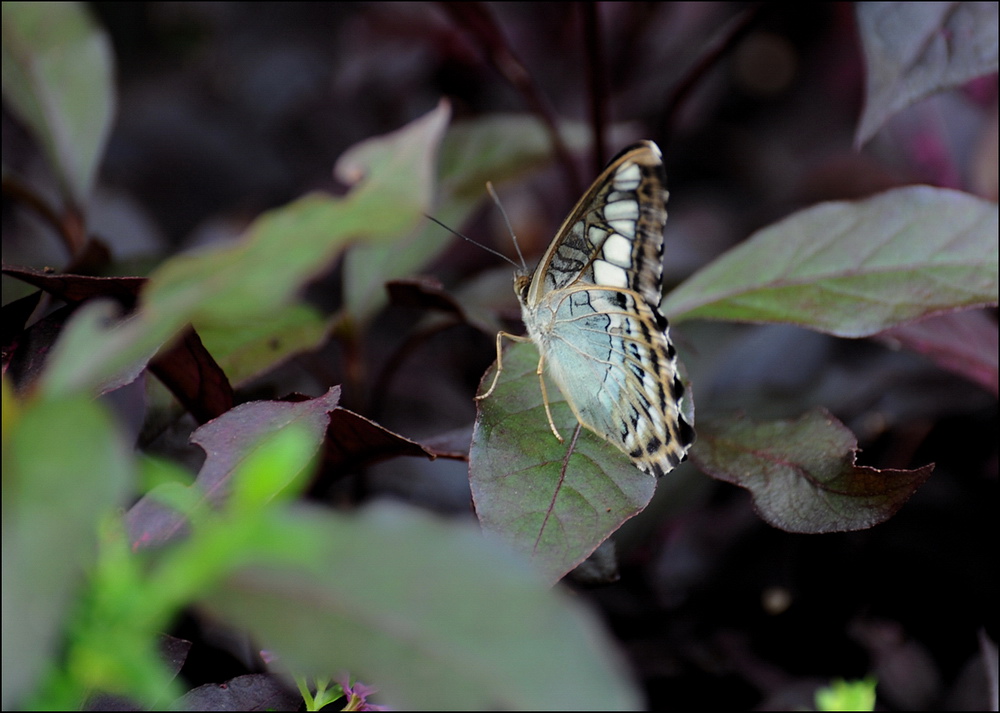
<point>591,306</point>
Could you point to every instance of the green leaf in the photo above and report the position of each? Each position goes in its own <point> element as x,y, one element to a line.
<point>99,352</point>
<point>277,467</point>
<point>287,247</point>
<point>57,77</point>
<point>260,276</point>
<point>65,465</point>
<point>473,152</point>
<point>396,173</point>
<point>248,348</point>
<point>802,473</point>
<point>853,269</point>
<point>438,617</point>
<point>498,148</point>
<point>255,453</point>
<point>281,251</point>
<point>915,49</point>
<point>844,695</point>
<point>554,502</point>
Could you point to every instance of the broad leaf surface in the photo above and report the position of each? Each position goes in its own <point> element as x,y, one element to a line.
<point>802,474</point>
<point>58,78</point>
<point>555,502</point>
<point>853,269</point>
<point>441,618</point>
<point>913,49</point>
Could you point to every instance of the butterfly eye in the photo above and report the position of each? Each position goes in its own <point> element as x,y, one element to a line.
<point>521,284</point>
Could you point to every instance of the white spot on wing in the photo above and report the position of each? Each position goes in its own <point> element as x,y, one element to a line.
<point>628,178</point>
<point>625,227</point>
<point>623,209</point>
<point>618,250</point>
<point>610,275</point>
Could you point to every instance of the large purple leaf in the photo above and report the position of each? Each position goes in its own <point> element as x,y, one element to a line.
<point>802,474</point>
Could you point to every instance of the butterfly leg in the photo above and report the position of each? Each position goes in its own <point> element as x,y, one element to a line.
<point>545,397</point>
<point>500,336</point>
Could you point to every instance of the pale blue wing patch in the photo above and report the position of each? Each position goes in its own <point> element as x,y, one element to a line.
<point>618,373</point>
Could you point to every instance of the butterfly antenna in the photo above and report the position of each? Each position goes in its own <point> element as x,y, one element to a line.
<point>474,242</point>
<point>496,199</point>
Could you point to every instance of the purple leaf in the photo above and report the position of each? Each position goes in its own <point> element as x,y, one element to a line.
<point>227,441</point>
<point>802,473</point>
<point>962,342</point>
<point>253,692</point>
<point>913,49</point>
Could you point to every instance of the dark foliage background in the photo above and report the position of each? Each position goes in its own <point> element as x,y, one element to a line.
<point>229,109</point>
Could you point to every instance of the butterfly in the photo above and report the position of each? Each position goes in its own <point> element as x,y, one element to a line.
<point>591,307</point>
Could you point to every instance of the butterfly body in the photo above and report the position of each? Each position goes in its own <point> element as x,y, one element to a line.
<point>591,308</point>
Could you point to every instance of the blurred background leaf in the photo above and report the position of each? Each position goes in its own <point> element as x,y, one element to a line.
<point>58,75</point>
<point>915,49</point>
<point>439,617</point>
<point>65,467</point>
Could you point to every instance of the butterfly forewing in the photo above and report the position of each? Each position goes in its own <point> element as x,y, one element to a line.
<point>614,235</point>
<point>591,307</point>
